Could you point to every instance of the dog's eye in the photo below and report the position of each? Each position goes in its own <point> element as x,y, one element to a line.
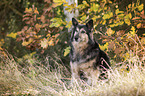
<point>83,32</point>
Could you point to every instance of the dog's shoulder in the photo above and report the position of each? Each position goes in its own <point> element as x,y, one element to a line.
<point>100,55</point>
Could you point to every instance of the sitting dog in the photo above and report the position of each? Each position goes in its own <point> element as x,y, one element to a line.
<point>88,62</point>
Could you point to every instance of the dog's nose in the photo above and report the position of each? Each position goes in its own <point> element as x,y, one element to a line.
<point>76,38</point>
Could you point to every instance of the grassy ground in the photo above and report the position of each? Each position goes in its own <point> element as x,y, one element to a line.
<point>35,79</point>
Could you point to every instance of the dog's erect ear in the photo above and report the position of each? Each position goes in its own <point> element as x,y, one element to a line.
<point>89,24</point>
<point>74,22</point>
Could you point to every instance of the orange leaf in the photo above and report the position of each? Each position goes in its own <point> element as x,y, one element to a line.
<point>110,32</point>
<point>139,25</point>
<point>38,26</point>
<point>36,11</point>
<point>142,12</point>
<point>28,10</point>
<point>135,18</point>
<point>51,42</point>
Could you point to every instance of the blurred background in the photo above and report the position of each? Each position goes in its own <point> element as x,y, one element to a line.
<point>41,28</point>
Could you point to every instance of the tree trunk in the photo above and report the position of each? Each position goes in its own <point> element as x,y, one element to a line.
<point>74,13</point>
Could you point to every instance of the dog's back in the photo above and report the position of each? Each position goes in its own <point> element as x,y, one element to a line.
<point>87,60</point>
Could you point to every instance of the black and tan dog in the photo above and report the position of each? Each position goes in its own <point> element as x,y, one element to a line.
<point>87,60</point>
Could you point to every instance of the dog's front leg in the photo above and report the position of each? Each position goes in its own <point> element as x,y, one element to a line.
<point>74,70</point>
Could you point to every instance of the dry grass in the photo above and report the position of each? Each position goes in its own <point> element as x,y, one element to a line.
<point>39,80</point>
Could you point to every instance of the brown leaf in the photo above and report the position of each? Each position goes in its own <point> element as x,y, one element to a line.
<point>143,16</point>
<point>38,26</point>
<point>25,18</point>
<point>118,50</point>
<point>43,19</point>
<point>111,46</point>
<point>143,40</point>
<point>120,33</point>
<point>48,1</point>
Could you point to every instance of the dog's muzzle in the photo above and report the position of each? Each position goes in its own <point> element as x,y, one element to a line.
<point>76,38</point>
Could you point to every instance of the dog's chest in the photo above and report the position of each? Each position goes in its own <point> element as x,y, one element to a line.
<point>85,67</point>
<point>79,47</point>
<point>85,55</point>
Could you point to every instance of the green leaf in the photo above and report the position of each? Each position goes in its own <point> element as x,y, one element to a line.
<point>85,3</point>
<point>66,51</point>
<point>104,22</point>
<point>121,23</point>
<point>105,46</point>
<point>83,17</point>
<point>121,16</point>
<point>112,25</point>
<point>108,15</point>
<point>33,53</point>
<point>140,7</point>
<point>25,43</point>
<point>132,32</point>
<point>57,22</point>
<point>12,35</point>
<point>127,21</point>
<point>117,11</point>
<point>58,2</point>
<point>128,16</point>
<point>95,7</point>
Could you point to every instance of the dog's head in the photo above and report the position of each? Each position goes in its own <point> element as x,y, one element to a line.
<point>82,34</point>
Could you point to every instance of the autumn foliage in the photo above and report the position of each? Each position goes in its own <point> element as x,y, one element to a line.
<point>119,32</point>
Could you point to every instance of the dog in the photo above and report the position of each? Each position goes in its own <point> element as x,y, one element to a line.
<point>88,62</point>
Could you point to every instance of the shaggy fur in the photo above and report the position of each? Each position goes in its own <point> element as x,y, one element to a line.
<point>87,60</point>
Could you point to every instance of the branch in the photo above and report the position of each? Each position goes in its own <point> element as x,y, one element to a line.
<point>12,8</point>
<point>15,10</point>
